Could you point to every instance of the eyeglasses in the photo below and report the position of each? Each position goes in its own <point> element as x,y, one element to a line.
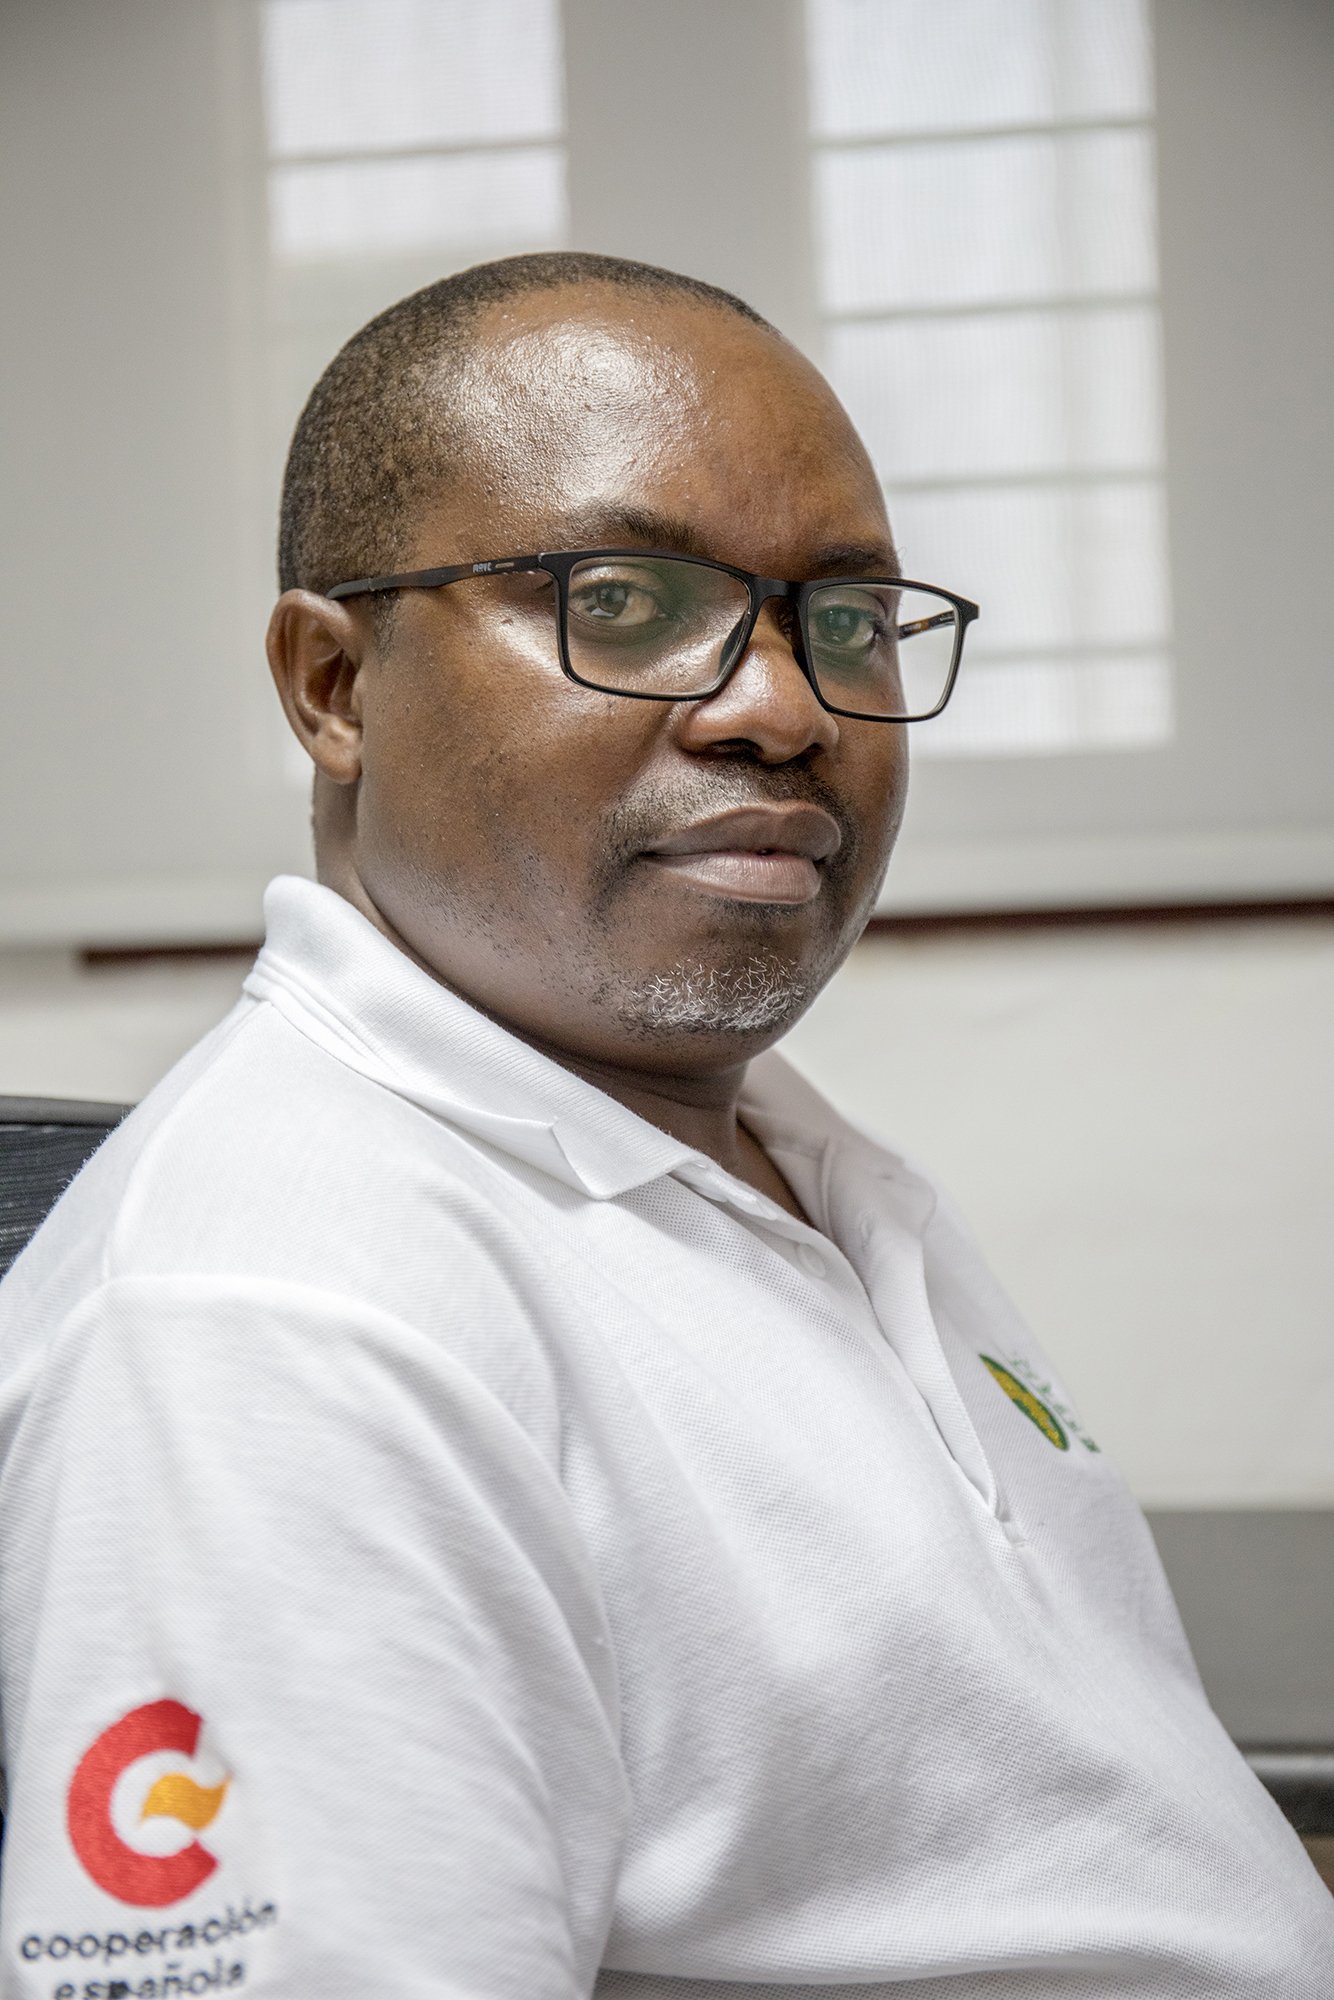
<point>673,628</point>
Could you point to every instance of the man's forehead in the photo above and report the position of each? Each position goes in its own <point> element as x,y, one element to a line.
<point>577,348</point>
<point>609,334</point>
<point>593,422</point>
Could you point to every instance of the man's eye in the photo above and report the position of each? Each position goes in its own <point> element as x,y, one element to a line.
<point>850,627</point>
<point>612,603</point>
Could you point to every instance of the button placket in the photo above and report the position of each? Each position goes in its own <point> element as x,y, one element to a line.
<point>892,1266</point>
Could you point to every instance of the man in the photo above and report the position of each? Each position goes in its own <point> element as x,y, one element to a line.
<point>501,1499</point>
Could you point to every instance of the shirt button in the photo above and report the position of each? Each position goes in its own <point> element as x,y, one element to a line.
<point>758,1206</point>
<point>810,1260</point>
<point>866,1229</point>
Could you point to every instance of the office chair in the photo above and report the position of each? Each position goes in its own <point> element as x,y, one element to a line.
<point>43,1143</point>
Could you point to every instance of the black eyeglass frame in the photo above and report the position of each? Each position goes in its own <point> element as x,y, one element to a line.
<point>561,566</point>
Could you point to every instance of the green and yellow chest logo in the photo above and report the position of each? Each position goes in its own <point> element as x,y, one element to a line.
<point>1032,1406</point>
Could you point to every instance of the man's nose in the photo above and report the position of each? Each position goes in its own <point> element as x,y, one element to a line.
<point>767,702</point>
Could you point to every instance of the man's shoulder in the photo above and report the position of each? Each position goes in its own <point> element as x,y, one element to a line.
<point>263,1159</point>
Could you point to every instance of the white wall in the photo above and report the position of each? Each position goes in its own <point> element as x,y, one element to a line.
<point>1139,1125</point>
<point>141,782</point>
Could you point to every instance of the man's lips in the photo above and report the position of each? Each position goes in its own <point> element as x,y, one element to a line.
<point>754,854</point>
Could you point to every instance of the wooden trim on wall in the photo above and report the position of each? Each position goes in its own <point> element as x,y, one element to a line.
<point>910,923</point>
<point>933,923</point>
<point>95,957</point>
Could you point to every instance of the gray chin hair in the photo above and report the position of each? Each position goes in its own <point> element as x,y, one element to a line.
<point>692,998</point>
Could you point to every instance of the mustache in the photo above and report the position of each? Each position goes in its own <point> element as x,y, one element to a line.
<point>657,810</point>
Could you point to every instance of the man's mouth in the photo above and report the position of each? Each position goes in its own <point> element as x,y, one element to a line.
<point>752,854</point>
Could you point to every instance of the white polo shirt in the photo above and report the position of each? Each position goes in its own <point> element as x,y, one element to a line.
<point>457,1541</point>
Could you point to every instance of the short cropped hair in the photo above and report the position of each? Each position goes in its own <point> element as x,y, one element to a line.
<point>374,436</point>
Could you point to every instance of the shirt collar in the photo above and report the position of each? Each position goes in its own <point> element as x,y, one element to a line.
<point>329,972</point>
<point>829,1161</point>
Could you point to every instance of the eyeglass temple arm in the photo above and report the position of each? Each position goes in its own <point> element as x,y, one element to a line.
<point>931,624</point>
<point>430,579</point>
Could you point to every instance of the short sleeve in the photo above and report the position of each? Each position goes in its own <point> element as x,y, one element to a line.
<point>307,1683</point>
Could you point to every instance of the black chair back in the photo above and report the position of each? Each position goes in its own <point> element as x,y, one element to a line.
<point>43,1143</point>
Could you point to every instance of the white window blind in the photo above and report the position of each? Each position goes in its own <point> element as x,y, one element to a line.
<point>954,203</point>
<point>987,268</point>
<point>405,139</point>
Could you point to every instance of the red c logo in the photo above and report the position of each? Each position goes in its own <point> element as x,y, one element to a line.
<point>148,1880</point>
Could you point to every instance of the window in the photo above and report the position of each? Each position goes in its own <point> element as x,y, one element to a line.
<point>269,173</point>
<point>987,268</point>
<point>405,139</point>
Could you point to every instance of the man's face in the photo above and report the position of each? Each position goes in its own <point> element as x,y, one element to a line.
<point>524,835</point>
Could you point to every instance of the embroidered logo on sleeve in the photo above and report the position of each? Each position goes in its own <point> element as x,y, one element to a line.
<point>108,1813</point>
<point>133,1811</point>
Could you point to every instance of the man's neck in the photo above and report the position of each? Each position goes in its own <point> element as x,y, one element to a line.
<point>700,1111</point>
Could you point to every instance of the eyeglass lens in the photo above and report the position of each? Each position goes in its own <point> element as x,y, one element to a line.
<point>650,625</point>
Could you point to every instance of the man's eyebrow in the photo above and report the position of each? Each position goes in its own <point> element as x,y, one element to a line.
<point>609,527</point>
<point>856,559</point>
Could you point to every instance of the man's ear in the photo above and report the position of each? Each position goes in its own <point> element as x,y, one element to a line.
<point>316,651</point>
